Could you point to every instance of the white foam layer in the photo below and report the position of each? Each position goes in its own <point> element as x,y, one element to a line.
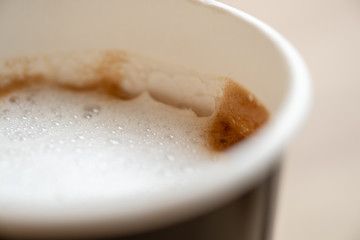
<point>60,145</point>
<point>133,73</point>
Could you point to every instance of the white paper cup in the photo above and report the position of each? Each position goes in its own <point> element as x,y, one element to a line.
<point>203,35</point>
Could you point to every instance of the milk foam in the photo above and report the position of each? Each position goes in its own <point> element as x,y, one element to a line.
<point>61,145</point>
<point>108,124</point>
<point>132,74</point>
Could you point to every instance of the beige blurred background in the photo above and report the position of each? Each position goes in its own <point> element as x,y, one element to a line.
<point>320,186</point>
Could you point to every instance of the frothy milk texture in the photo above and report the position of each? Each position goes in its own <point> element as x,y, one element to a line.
<point>66,137</point>
<point>59,144</point>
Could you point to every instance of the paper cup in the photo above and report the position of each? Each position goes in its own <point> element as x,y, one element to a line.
<point>209,37</point>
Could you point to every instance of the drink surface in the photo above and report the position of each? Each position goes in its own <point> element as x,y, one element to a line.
<point>100,132</point>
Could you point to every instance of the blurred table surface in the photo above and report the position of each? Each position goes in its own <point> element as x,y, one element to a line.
<point>320,192</point>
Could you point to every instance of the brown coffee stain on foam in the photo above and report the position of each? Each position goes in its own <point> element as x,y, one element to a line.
<point>105,75</point>
<point>18,74</point>
<point>18,84</point>
<point>238,114</point>
<point>103,86</point>
<point>102,75</point>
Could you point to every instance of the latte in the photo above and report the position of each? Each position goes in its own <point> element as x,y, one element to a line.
<point>102,124</point>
